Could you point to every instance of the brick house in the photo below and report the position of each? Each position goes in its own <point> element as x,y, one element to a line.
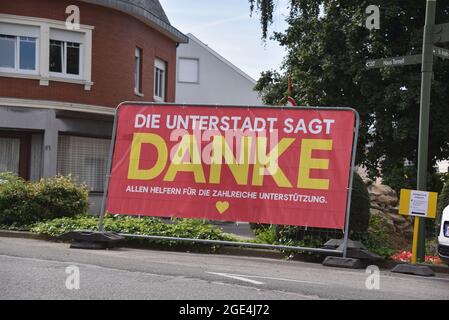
<point>59,87</point>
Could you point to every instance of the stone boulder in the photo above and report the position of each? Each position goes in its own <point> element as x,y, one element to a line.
<point>384,203</point>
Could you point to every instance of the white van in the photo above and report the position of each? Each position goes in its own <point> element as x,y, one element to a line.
<point>443,238</point>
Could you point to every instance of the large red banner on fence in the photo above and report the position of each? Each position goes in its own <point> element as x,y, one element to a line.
<point>264,165</point>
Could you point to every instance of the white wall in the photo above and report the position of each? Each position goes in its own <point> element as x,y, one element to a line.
<point>219,81</point>
<point>443,166</point>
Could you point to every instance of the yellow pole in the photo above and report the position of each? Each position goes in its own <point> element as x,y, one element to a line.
<point>415,241</point>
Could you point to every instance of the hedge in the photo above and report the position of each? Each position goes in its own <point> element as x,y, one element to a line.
<point>23,203</point>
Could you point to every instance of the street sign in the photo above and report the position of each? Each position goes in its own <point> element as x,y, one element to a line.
<point>418,203</point>
<point>394,62</point>
<point>441,33</point>
<point>441,52</point>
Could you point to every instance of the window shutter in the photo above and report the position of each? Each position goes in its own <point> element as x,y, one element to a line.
<point>86,159</point>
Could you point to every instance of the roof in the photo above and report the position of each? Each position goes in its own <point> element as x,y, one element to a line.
<point>221,58</point>
<point>148,11</point>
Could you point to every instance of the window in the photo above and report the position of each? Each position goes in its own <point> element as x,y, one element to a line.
<point>15,151</point>
<point>18,54</point>
<point>10,155</point>
<point>85,158</point>
<point>159,80</point>
<point>188,70</point>
<point>138,71</point>
<point>65,58</point>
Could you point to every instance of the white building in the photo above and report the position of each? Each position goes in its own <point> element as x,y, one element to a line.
<point>205,77</point>
<point>443,166</point>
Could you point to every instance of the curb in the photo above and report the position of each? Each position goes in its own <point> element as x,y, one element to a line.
<point>22,235</point>
<point>231,251</point>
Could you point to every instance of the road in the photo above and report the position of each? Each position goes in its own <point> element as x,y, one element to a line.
<point>33,269</point>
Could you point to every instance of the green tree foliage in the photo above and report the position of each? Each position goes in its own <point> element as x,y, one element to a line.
<point>360,206</point>
<point>327,47</point>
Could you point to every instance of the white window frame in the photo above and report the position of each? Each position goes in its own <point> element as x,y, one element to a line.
<point>138,71</point>
<point>16,68</point>
<point>64,73</point>
<point>162,66</point>
<point>198,70</point>
<point>43,73</point>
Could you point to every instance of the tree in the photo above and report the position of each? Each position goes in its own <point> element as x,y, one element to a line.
<point>327,47</point>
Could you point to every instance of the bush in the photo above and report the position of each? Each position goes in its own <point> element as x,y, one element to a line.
<point>23,203</point>
<point>360,206</point>
<point>61,197</point>
<point>180,228</point>
<point>17,207</point>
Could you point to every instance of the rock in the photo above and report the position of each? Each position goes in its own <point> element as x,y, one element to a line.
<point>394,210</point>
<point>380,189</point>
<point>388,200</point>
<point>404,227</point>
<point>375,205</point>
<point>397,219</point>
<point>389,223</point>
<point>384,204</point>
<point>408,232</point>
<point>376,212</point>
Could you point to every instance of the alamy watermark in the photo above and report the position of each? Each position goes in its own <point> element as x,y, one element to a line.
<point>73,20</point>
<point>373,19</point>
<point>72,281</point>
<point>373,280</point>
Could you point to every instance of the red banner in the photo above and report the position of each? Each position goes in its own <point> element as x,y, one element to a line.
<point>264,165</point>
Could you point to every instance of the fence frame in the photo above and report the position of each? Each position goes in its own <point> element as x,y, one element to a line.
<point>343,252</point>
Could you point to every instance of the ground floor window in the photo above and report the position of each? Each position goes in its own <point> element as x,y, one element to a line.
<point>10,155</point>
<point>86,159</point>
<point>21,154</point>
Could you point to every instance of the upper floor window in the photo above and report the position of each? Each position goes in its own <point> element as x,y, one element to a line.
<point>159,80</point>
<point>65,58</point>
<point>138,71</point>
<point>188,70</point>
<point>18,54</point>
<point>45,50</point>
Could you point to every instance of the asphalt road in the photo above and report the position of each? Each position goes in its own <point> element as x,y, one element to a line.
<point>32,269</point>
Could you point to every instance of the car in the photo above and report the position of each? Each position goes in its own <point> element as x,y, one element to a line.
<point>443,238</point>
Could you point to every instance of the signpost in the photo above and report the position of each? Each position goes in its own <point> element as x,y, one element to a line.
<point>433,33</point>
<point>419,204</point>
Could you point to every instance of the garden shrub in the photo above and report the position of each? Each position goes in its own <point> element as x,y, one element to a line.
<point>360,206</point>
<point>17,207</point>
<point>61,197</point>
<point>23,203</point>
<point>179,228</point>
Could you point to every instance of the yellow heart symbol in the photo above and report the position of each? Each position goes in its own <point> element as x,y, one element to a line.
<point>222,207</point>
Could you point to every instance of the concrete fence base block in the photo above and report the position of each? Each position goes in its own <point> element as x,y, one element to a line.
<point>92,240</point>
<point>347,263</point>
<point>422,271</point>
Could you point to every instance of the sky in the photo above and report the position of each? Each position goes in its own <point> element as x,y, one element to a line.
<point>226,26</point>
